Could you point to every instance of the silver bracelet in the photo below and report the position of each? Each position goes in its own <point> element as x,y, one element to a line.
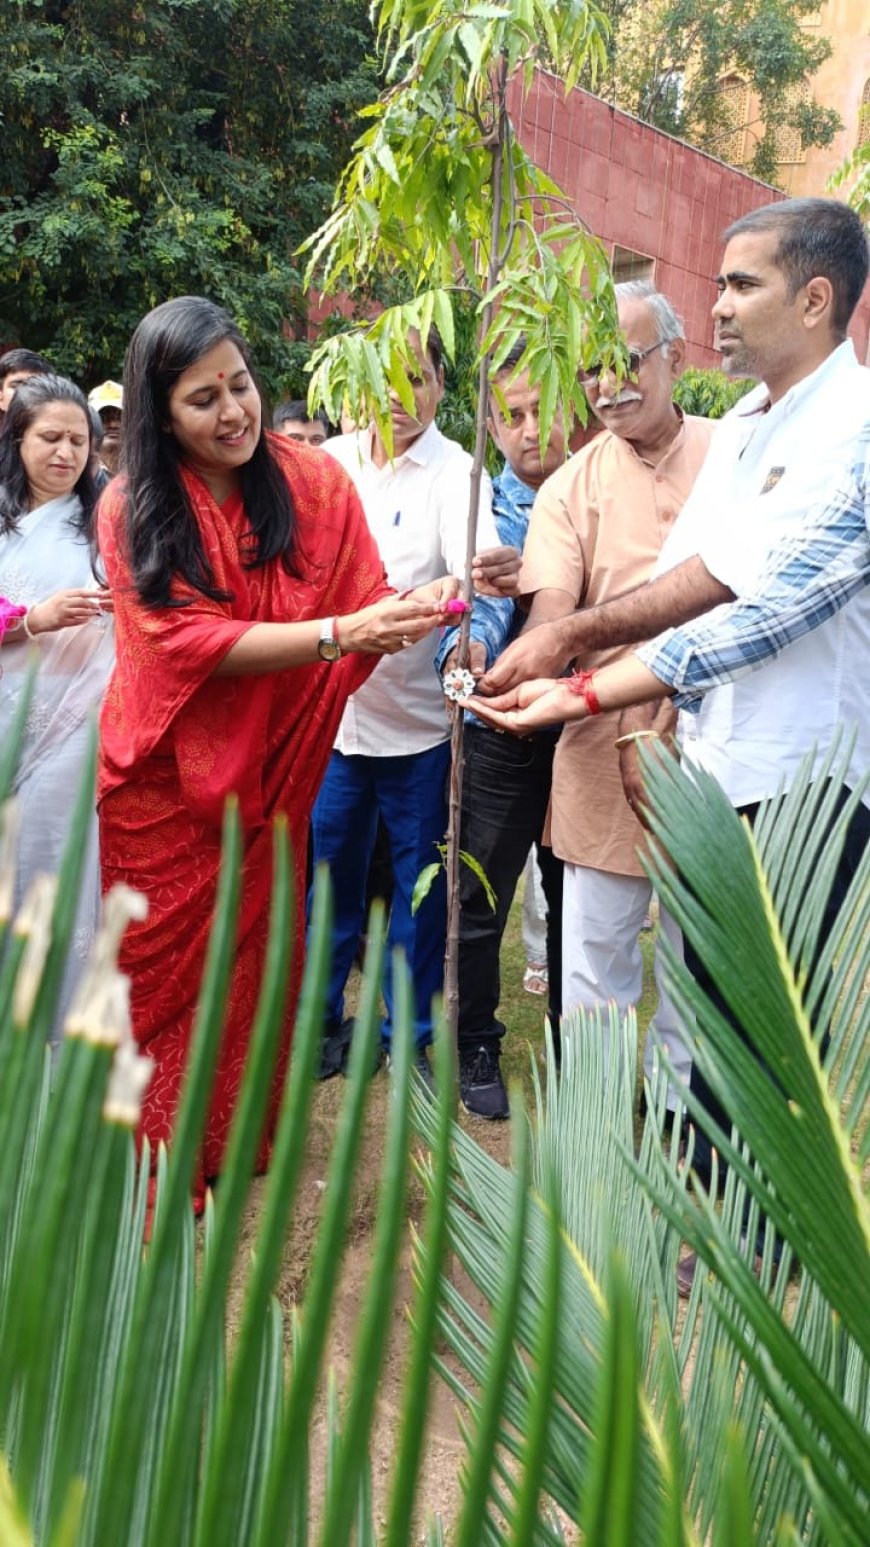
<point>26,624</point>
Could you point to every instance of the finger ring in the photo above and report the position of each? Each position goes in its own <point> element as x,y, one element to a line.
<point>404,641</point>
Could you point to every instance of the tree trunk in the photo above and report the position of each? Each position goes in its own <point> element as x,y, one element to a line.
<point>452,860</point>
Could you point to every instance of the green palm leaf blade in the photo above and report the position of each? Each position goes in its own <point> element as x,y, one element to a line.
<point>73,1328</point>
<point>40,1276</point>
<point>608,1511</point>
<point>232,1495</point>
<point>13,736</point>
<point>810,1409</point>
<point>10,960</point>
<point>207,1333</point>
<point>126,1270</point>
<point>21,1083</point>
<point>792,1127</point>
<point>42,1013</point>
<point>347,1490</point>
<point>424,1314</point>
<point>93,1314</point>
<point>11,947</point>
<point>675,1529</point>
<point>506,1267</point>
<point>285,1500</point>
<point>541,1395</point>
<point>141,1388</point>
<point>733,1524</point>
<point>480,1217</point>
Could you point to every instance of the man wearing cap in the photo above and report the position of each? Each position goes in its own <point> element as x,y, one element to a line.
<point>108,400</point>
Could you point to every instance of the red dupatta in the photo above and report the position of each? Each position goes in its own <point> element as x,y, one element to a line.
<point>224,732</point>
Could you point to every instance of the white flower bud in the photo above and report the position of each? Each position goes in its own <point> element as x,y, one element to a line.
<point>128,1082</point>
<point>100,1009</point>
<point>33,922</point>
<point>10,826</point>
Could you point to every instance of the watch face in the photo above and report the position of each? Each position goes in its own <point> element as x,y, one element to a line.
<point>329,650</point>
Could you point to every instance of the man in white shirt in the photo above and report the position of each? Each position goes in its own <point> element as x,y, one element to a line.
<point>392,753</point>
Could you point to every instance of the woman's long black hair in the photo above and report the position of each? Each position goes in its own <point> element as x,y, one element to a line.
<point>162,535</point>
<point>26,406</point>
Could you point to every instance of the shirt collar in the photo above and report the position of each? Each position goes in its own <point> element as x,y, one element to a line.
<point>514,490</point>
<point>421,451</point>
<point>758,400</point>
<point>674,445</point>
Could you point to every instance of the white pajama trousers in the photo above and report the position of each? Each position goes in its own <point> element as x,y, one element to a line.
<point>602,916</point>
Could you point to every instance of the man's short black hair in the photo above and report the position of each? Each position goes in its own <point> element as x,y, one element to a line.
<point>24,360</point>
<point>512,358</point>
<point>816,237</point>
<point>297,410</point>
<point>435,348</point>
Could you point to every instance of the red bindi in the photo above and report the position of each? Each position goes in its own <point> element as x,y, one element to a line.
<point>220,375</point>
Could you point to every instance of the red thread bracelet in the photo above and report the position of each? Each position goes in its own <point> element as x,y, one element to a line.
<point>580,682</point>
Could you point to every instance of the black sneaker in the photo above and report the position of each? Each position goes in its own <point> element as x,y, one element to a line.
<point>335,1049</point>
<point>481,1087</point>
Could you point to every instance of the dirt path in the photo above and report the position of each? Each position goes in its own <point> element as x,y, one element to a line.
<point>440,1489</point>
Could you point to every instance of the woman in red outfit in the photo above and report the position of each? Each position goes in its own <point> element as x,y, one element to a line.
<point>241,565</point>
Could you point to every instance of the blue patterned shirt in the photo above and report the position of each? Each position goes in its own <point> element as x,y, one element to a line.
<point>495,621</point>
<point>806,579</point>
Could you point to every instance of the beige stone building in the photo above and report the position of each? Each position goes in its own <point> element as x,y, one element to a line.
<point>842,82</point>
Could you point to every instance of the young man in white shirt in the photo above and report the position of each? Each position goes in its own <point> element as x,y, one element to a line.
<point>391,757</point>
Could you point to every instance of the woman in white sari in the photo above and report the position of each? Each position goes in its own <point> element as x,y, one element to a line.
<point>47,554</point>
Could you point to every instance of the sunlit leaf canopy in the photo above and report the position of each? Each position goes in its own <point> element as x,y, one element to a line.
<point>440,197</point>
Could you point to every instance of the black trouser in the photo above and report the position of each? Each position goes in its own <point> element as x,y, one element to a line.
<point>857,839</point>
<point>505,795</point>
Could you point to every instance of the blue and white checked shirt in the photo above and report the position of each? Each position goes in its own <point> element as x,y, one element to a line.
<point>807,578</point>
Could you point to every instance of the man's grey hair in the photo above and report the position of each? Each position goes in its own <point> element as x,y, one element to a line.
<point>668,324</point>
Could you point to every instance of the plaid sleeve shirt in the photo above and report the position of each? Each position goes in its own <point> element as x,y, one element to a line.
<point>807,578</point>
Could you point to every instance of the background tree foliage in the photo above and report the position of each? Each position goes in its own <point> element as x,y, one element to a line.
<point>667,60</point>
<point>161,148</point>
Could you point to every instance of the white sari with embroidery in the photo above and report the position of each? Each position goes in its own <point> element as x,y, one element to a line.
<point>43,556</point>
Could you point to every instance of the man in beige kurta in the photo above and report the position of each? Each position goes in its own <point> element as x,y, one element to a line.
<point>596,530</point>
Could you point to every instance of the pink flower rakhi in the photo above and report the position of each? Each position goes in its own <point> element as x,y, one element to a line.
<point>9,613</point>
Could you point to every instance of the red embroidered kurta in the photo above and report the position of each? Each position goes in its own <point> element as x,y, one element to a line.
<point>176,741</point>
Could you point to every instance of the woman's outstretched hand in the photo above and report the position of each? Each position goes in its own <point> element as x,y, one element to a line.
<point>67,609</point>
<point>397,622</point>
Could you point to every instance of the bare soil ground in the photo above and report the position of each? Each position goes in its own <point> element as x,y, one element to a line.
<point>440,1490</point>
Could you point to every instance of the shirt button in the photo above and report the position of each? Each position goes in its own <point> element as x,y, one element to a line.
<point>659,478</point>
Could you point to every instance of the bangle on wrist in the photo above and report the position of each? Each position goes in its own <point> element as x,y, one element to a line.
<point>630,736</point>
<point>26,624</point>
<point>580,682</point>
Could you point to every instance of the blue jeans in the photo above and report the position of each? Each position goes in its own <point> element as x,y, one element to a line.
<point>410,795</point>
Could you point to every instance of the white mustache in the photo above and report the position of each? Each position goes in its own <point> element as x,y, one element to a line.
<point>621,397</point>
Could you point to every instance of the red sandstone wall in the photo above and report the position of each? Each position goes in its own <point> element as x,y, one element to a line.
<point>645,191</point>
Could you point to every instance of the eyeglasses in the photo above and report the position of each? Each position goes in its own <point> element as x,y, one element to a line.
<point>636,358</point>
